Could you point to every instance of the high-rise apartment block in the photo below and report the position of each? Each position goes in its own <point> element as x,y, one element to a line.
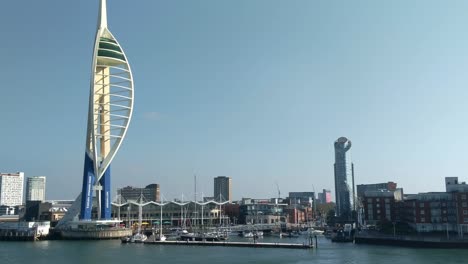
<point>11,189</point>
<point>304,198</point>
<point>344,179</point>
<point>222,188</point>
<point>35,188</point>
<point>150,193</point>
<point>325,196</point>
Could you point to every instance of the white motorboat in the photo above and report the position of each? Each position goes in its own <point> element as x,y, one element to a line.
<point>137,238</point>
<point>160,238</point>
<point>317,232</point>
<point>257,233</point>
<point>247,234</point>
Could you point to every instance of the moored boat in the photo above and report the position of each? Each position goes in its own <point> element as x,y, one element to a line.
<point>137,238</point>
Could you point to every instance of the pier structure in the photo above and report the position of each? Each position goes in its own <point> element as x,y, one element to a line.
<point>233,244</point>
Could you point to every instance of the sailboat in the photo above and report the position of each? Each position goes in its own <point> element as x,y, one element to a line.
<point>160,236</point>
<point>139,237</point>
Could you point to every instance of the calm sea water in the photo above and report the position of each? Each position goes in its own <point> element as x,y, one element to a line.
<point>115,252</point>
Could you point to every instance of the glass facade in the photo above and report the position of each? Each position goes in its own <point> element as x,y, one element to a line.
<point>344,178</point>
<point>35,188</point>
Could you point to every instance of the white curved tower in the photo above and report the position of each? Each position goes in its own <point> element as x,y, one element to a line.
<point>109,114</point>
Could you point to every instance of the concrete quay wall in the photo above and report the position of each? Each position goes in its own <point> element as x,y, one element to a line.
<point>421,243</point>
<point>17,235</point>
<point>95,234</point>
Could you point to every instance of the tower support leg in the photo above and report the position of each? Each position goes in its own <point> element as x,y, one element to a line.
<point>87,189</point>
<point>106,195</point>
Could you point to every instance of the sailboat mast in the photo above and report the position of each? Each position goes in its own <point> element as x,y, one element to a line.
<point>195,201</point>
<point>220,197</point>
<point>140,215</point>
<point>160,219</point>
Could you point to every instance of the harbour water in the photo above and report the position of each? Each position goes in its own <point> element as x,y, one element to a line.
<point>112,251</point>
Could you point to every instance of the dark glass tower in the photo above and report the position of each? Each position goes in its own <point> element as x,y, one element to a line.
<point>344,179</point>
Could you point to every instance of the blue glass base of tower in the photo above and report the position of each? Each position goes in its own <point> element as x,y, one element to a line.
<point>89,178</point>
<point>105,195</point>
<point>87,190</point>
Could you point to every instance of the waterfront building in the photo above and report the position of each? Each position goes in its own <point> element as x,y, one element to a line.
<point>110,111</point>
<point>262,211</point>
<point>8,210</point>
<point>381,205</point>
<point>208,198</point>
<point>35,188</point>
<point>344,179</point>
<point>53,210</point>
<point>295,215</point>
<point>324,197</point>
<point>432,211</point>
<point>150,193</point>
<point>461,204</point>
<point>222,188</point>
<point>361,190</point>
<point>386,186</point>
<point>453,185</point>
<point>11,189</point>
<point>302,198</point>
<point>232,211</point>
<point>182,213</point>
<point>424,212</point>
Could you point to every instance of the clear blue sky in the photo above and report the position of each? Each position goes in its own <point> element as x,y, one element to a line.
<point>254,89</point>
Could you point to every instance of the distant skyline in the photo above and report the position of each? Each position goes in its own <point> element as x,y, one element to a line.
<point>257,90</point>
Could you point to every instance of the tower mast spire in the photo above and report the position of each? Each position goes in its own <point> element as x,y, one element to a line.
<point>102,22</point>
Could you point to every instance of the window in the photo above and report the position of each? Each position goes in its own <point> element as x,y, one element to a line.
<point>465,212</point>
<point>465,220</point>
<point>387,200</point>
<point>422,212</point>
<point>423,220</point>
<point>463,196</point>
<point>464,204</point>
<point>378,211</point>
<point>369,200</point>
<point>377,200</point>
<point>377,205</point>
